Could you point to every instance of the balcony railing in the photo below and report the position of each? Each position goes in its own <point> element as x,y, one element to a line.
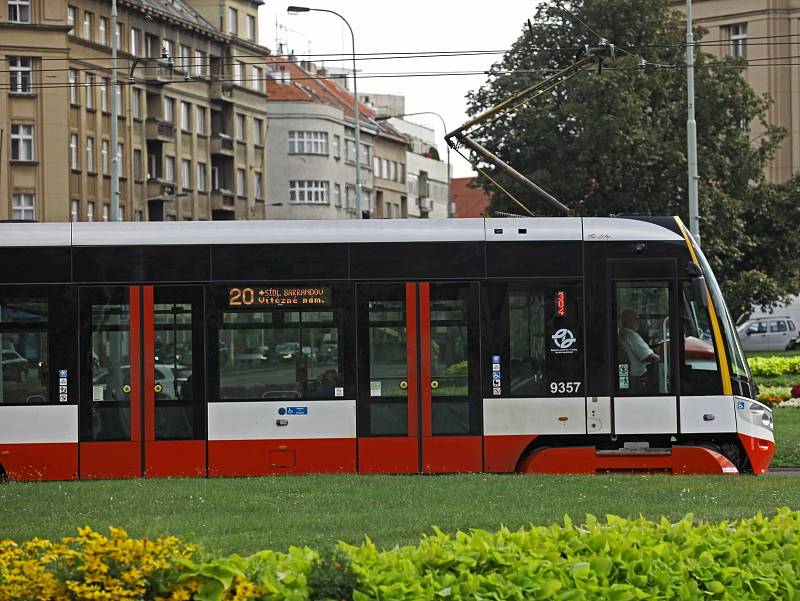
<point>156,129</point>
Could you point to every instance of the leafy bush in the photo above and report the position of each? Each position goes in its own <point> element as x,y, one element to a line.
<point>616,559</point>
<point>774,366</point>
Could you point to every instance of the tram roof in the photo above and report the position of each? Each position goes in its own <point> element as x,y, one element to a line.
<point>589,229</point>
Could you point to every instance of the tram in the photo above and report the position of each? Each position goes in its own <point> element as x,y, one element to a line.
<point>532,345</point>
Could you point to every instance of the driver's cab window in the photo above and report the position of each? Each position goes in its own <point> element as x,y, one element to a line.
<point>642,325</point>
<point>700,373</point>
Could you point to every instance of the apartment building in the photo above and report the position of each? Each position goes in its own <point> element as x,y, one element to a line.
<point>767,34</point>
<point>311,120</point>
<point>192,123</point>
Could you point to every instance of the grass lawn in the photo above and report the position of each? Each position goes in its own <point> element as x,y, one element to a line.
<point>787,437</point>
<point>245,515</point>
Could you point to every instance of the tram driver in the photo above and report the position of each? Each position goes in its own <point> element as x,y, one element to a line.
<point>639,353</point>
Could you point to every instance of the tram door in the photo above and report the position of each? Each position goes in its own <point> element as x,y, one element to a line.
<point>644,306</point>
<point>419,383</point>
<point>142,403</point>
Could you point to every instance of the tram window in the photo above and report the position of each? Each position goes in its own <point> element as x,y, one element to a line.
<point>23,351</point>
<point>642,343</point>
<point>536,333</point>
<point>173,346</point>
<point>388,371</point>
<point>699,367</point>
<point>280,355</point>
<point>110,370</point>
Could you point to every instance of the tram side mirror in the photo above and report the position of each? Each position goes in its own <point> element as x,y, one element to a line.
<point>699,291</point>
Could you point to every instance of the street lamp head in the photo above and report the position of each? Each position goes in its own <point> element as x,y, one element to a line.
<point>296,10</point>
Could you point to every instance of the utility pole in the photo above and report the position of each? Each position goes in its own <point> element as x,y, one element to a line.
<point>691,128</point>
<point>115,215</point>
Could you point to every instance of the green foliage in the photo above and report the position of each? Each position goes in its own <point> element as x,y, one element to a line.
<point>332,577</point>
<point>773,366</point>
<point>457,369</point>
<point>615,559</point>
<point>615,142</point>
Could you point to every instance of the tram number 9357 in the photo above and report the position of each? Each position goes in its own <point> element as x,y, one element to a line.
<point>564,387</point>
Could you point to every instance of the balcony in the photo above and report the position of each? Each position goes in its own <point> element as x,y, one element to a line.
<point>156,129</point>
<point>157,72</point>
<point>222,144</point>
<point>160,190</point>
<point>222,91</point>
<point>223,199</point>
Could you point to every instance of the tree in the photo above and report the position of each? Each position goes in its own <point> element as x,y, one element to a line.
<point>614,141</point>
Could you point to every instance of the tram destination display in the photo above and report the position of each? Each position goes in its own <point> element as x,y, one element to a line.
<point>279,296</point>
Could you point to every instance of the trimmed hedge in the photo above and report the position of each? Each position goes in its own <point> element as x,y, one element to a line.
<point>774,366</point>
<point>616,559</point>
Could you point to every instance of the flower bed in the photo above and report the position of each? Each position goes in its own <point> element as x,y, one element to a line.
<point>757,558</point>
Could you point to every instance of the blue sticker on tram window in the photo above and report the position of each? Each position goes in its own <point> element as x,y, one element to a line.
<point>495,375</point>
<point>297,411</point>
<point>740,405</point>
<point>62,373</point>
<point>495,358</point>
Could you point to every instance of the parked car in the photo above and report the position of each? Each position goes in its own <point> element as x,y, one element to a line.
<point>15,366</point>
<point>254,355</point>
<point>774,333</point>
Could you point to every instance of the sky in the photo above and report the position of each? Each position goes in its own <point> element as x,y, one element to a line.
<point>401,27</point>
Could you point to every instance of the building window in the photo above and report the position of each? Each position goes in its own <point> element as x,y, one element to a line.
<point>240,123</point>
<point>169,169</point>
<point>88,26</point>
<point>258,132</point>
<point>366,153</point>
<point>118,94</point>
<point>394,171</point>
<point>118,36</point>
<point>137,164</point>
<point>21,70</point>
<point>106,213</point>
<point>21,142</point>
<point>104,153</point>
<point>186,174</point>
<point>376,167</point>
<point>23,206</point>
<point>199,63</point>
<point>72,16</point>
<point>386,169</point>
<point>136,103</point>
<point>337,195</point>
<point>201,177</point>
<point>74,210</point>
<point>103,31</point>
<point>233,21</point>
<point>186,116</point>
<point>350,150</point>
<point>259,185</point>
<point>121,159</point>
<point>238,73</point>
<point>169,110</point>
<point>168,51</point>
<point>337,142</point>
<point>258,79</point>
<point>402,174</point>
<point>738,35</point>
<point>241,182</point>
<point>350,196</point>
<point>136,41</point>
<point>73,86</point>
<point>104,83</point>
<point>19,11</point>
<point>308,192</point>
<point>151,46</point>
<point>90,154</point>
<point>251,28</point>
<point>90,85</point>
<point>200,120</point>
<point>308,142</point>
<point>90,211</point>
<point>185,59</point>
<point>73,151</point>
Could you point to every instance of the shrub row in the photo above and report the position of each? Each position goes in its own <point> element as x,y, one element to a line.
<point>774,366</point>
<point>616,559</point>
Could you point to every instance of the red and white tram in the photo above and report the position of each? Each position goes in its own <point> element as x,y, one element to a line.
<point>575,345</point>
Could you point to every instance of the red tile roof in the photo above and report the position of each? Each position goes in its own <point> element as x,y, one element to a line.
<point>469,200</point>
<point>307,86</point>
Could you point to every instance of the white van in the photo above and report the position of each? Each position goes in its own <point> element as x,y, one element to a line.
<point>774,333</point>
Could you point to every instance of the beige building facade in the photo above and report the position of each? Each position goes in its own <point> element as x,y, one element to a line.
<point>192,121</point>
<point>765,32</point>
<point>389,172</point>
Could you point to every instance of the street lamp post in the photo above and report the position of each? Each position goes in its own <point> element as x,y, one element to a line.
<point>115,158</point>
<point>444,128</point>
<point>691,128</point>
<point>295,10</point>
